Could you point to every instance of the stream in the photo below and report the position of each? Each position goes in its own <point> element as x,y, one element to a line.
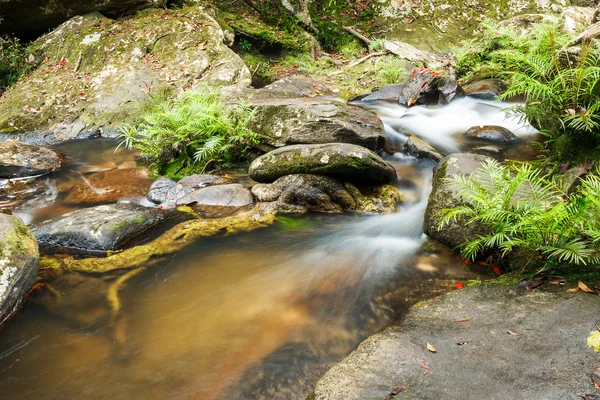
<point>258,315</point>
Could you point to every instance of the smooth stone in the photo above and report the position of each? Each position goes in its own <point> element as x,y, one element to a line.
<point>18,160</point>
<point>19,258</point>
<point>166,191</point>
<point>162,190</point>
<point>343,161</point>
<point>96,230</point>
<point>283,122</point>
<point>444,196</point>
<point>219,200</point>
<point>485,89</point>
<point>491,133</point>
<point>110,187</point>
<point>415,146</point>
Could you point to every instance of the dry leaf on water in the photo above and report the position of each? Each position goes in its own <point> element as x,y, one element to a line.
<point>423,364</point>
<point>462,320</point>
<point>431,348</point>
<point>584,287</point>
<point>573,290</point>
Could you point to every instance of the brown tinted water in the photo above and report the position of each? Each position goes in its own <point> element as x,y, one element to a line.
<point>259,315</point>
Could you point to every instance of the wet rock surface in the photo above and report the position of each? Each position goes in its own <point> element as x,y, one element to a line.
<point>420,88</point>
<point>545,357</point>
<point>166,190</point>
<point>110,186</point>
<point>415,146</point>
<point>491,133</point>
<point>304,192</point>
<point>339,160</point>
<point>219,200</point>
<point>443,196</point>
<point>486,89</point>
<point>98,229</point>
<point>18,160</point>
<point>19,258</point>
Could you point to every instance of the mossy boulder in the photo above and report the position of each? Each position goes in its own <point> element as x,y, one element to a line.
<point>18,160</point>
<point>301,193</point>
<point>96,74</point>
<point>347,162</point>
<point>97,230</point>
<point>442,196</point>
<point>19,258</point>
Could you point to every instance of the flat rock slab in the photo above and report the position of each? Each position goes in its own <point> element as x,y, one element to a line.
<point>344,161</point>
<point>95,230</point>
<point>110,186</point>
<point>549,359</point>
<point>165,190</point>
<point>18,263</point>
<point>18,160</point>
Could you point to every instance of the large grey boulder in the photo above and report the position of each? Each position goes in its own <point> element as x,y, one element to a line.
<point>301,193</point>
<point>19,258</point>
<point>219,200</point>
<point>286,121</point>
<point>167,192</point>
<point>443,196</point>
<point>346,162</point>
<point>97,74</point>
<point>18,160</point>
<point>98,229</point>
<point>30,18</point>
<point>516,345</point>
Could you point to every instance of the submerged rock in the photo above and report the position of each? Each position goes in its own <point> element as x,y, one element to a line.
<point>344,161</point>
<point>443,196</point>
<point>282,122</point>
<point>219,200</point>
<point>415,146</point>
<point>110,186</point>
<point>96,74</point>
<point>305,192</point>
<point>97,230</point>
<point>18,160</point>
<point>18,263</point>
<point>509,349</point>
<point>491,133</point>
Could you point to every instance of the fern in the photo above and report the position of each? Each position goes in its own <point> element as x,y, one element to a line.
<point>194,129</point>
<point>520,208</point>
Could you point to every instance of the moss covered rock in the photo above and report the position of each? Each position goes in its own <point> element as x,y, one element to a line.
<point>344,161</point>
<point>300,193</point>
<point>444,196</point>
<point>98,229</point>
<point>18,160</point>
<point>95,73</point>
<point>18,263</point>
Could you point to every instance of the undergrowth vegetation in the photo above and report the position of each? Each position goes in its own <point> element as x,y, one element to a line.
<point>13,61</point>
<point>559,80</point>
<point>195,131</point>
<point>522,210</point>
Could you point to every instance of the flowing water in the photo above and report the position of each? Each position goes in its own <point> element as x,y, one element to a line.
<point>259,315</point>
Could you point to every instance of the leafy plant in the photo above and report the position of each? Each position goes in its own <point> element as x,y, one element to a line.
<point>196,129</point>
<point>522,210</point>
<point>13,61</point>
<point>245,45</point>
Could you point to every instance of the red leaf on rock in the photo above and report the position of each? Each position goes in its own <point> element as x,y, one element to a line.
<point>460,285</point>
<point>496,270</point>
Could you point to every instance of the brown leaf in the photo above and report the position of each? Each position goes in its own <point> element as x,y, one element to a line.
<point>513,333</point>
<point>462,320</point>
<point>557,280</point>
<point>461,343</point>
<point>423,364</point>
<point>431,348</point>
<point>584,287</point>
<point>397,390</point>
<point>573,290</point>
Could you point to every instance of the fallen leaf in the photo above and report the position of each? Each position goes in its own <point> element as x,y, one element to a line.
<point>460,285</point>
<point>397,390</point>
<point>590,397</point>
<point>462,320</point>
<point>593,340</point>
<point>584,287</point>
<point>513,333</point>
<point>573,290</point>
<point>462,342</point>
<point>596,378</point>
<point>431,348</point>
<point>557,280</point>
<point>496,270</point>
<point>423,364</point>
